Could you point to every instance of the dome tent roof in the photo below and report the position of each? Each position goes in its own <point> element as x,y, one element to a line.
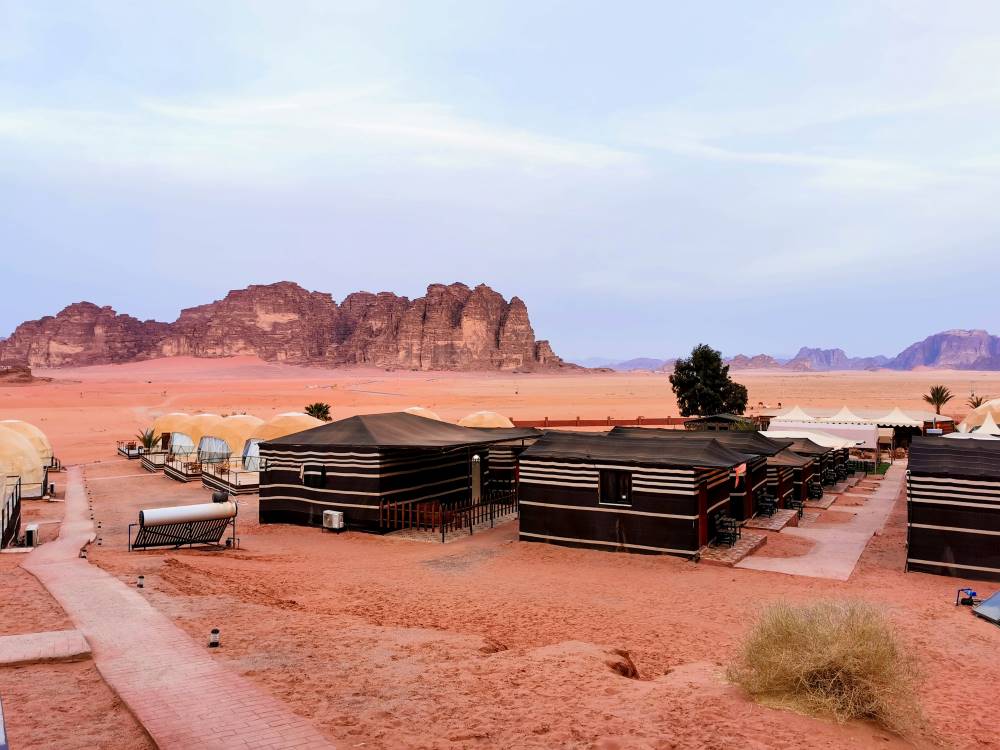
<point>234,431</point>
<point>485,419</point>
<point>35,436</point>
<point>20,457</point>
<point>421,411</point>
<point>285,424</point>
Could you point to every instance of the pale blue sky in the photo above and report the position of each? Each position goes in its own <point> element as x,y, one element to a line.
<point>646,175</point>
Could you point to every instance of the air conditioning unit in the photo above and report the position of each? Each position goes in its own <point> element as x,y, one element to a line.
<point>333,520</point>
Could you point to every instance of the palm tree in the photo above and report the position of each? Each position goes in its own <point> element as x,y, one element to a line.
<point>975,401</point>
<point>147,438</point>
<point>938,396</point>
<point>319,410</point>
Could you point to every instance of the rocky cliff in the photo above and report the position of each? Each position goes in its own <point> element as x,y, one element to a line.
<point>452,327</point>
<point>832,359</point>
<point>956,349</point>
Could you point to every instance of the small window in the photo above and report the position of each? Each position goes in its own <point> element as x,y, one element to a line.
<point>616,487</point>
<point>314,476</point>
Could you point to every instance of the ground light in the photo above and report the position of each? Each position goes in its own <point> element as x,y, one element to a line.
<point>213,638</point>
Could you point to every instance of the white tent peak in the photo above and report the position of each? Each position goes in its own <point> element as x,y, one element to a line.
<point>846,415</point>
<point>989,426</point>
<point>795,415</point>
<point>899,418</point>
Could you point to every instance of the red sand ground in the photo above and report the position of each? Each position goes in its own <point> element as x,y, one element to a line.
<point>490,642</point>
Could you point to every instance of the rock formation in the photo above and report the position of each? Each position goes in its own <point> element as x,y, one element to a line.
<point>832,359</point>
<point>453,327</point>
<point>956,349</point>
<point>756,362</point>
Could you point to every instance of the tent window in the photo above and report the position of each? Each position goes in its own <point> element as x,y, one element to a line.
<point>616,487</point>
<point>314,476</point>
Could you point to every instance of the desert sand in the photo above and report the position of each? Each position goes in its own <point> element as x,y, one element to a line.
<point>487,641</point>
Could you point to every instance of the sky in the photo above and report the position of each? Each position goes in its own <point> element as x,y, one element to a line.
<point>645,175</point>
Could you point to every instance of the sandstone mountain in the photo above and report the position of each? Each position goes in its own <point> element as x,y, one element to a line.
<point>452,327</point>
<point>832,359</point>
<point>956,349</point>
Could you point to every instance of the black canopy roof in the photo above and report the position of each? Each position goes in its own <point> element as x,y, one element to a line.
<point>725,417</point>
<point>750,442</point>
<point>788,458</point>
<point>976,459</point>
<point>807,447</point>
<point>590,446</point>
<point>396,430</point>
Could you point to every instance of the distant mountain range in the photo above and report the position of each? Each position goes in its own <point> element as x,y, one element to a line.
<point>948,350</point>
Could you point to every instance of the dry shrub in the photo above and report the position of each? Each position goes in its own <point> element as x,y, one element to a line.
<point>836,659</point>
<point>625,666</point>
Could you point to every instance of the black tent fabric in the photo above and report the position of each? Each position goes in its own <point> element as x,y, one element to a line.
<point>626,449</point>
<point>953,507</point>
<point>750,442</point>
<point>787,457</point>
<point>969,459</point>
<point>394,430</point>
<point>806,447</point>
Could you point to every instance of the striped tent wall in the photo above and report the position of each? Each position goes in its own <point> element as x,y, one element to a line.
<point>953,526</point>
<point>745,496</point>
<point>298,484</point>
<point>559,503</point>
<point>781,484</point>
<point>801,477</point>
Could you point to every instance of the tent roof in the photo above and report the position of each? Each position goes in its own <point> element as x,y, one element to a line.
<point>795,415</point>
<point>19,456</point>
<point>749,442</point>
<point>235,431</point>
<point>976,459</point>
<point>590,446</point>
<point>287,423</point>
<point>175,421</point>
<point>35,436</point>
<point>733,418</point>
<point>989,425</point>
<point>485,419</point>
<point>421,411</point>
<point>969,436</point>
<point>816,436</point>
<point>392,430</point>
<point>788,457</point>
<point>898,418</point>
<point>845,415</point>
<point>801,443</point>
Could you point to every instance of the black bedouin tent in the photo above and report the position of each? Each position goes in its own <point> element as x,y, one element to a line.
<point>953,507</point>
<point>384,471</point>
<point>624,493</point>
<point>823,460</point>
<point>749,487</point>
<point>788,475</point>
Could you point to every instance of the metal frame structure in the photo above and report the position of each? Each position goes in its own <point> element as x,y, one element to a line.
<point>177,535</point>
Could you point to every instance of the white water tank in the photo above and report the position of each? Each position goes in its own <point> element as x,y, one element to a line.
<point>333,520</point>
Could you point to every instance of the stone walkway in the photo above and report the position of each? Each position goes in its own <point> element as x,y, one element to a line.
<point>748,543</point>
<point>31,648</point>
<point>837,549</point>
<point>181,695</point>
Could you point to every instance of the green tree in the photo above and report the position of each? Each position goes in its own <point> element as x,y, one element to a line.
<point>703,386</point>
<point>974,401</point>
<point>938,396</point>
<point>147,439</point>
<point>319,410</point>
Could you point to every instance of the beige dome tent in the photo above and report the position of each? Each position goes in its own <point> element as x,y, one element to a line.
<point>978,415</point>
<point>283,424</point>
<point>35,436</point>
<point>23,461</point>
<point>169,423</point>
<point>485,419</point>
<point>420,411</point>
<point>988,426</point>
<point>188,432</point>
<point>228,437</point>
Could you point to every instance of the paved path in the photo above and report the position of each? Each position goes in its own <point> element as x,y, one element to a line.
<point>180,694</point>
<point>55,645</point>
<point>837,548</point>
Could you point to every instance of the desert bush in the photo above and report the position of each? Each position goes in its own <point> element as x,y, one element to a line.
<point>840,659</point>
